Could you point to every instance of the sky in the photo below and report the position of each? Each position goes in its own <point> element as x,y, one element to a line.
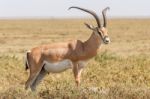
<point>58,8</point>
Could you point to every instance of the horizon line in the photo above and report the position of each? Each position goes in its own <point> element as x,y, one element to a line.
<point>72,17</point>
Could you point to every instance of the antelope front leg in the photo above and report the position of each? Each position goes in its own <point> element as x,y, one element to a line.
<point>77,69</point>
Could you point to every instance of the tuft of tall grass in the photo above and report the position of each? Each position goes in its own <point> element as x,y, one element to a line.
<point>106,56</point>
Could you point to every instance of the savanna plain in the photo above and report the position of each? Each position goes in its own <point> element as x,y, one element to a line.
<point>121,70</point>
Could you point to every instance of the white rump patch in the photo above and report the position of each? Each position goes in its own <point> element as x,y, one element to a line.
<point>58,66</point>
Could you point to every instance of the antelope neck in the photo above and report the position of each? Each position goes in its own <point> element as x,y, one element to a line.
<point>93,42</point>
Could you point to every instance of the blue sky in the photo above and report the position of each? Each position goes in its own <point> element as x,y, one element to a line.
<point>58,8</point>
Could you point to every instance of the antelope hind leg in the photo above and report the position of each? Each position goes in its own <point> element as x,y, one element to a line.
<point>38,79</point>
<point>32,77</point>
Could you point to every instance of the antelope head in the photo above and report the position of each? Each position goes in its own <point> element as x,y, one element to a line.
<point>101,30</point>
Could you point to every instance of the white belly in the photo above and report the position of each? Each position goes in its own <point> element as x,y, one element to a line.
<point>58,66</point>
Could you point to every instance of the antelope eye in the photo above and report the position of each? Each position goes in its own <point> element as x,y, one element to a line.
<point>100,33</point>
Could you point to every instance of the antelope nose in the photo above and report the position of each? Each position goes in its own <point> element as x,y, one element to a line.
<point>107,40</point>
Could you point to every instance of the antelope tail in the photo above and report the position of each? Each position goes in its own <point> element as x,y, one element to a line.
<point>27,60</point>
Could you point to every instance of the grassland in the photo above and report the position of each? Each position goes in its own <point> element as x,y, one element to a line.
<point>121,70</point>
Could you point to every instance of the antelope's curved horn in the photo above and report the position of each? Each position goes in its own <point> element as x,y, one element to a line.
<point>104,16</point>
<point>90,12</point>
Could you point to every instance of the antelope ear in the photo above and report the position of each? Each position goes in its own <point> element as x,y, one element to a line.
<point>89,26</point>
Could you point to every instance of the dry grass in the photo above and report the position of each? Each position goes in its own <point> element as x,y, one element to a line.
<point>120,71</point>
